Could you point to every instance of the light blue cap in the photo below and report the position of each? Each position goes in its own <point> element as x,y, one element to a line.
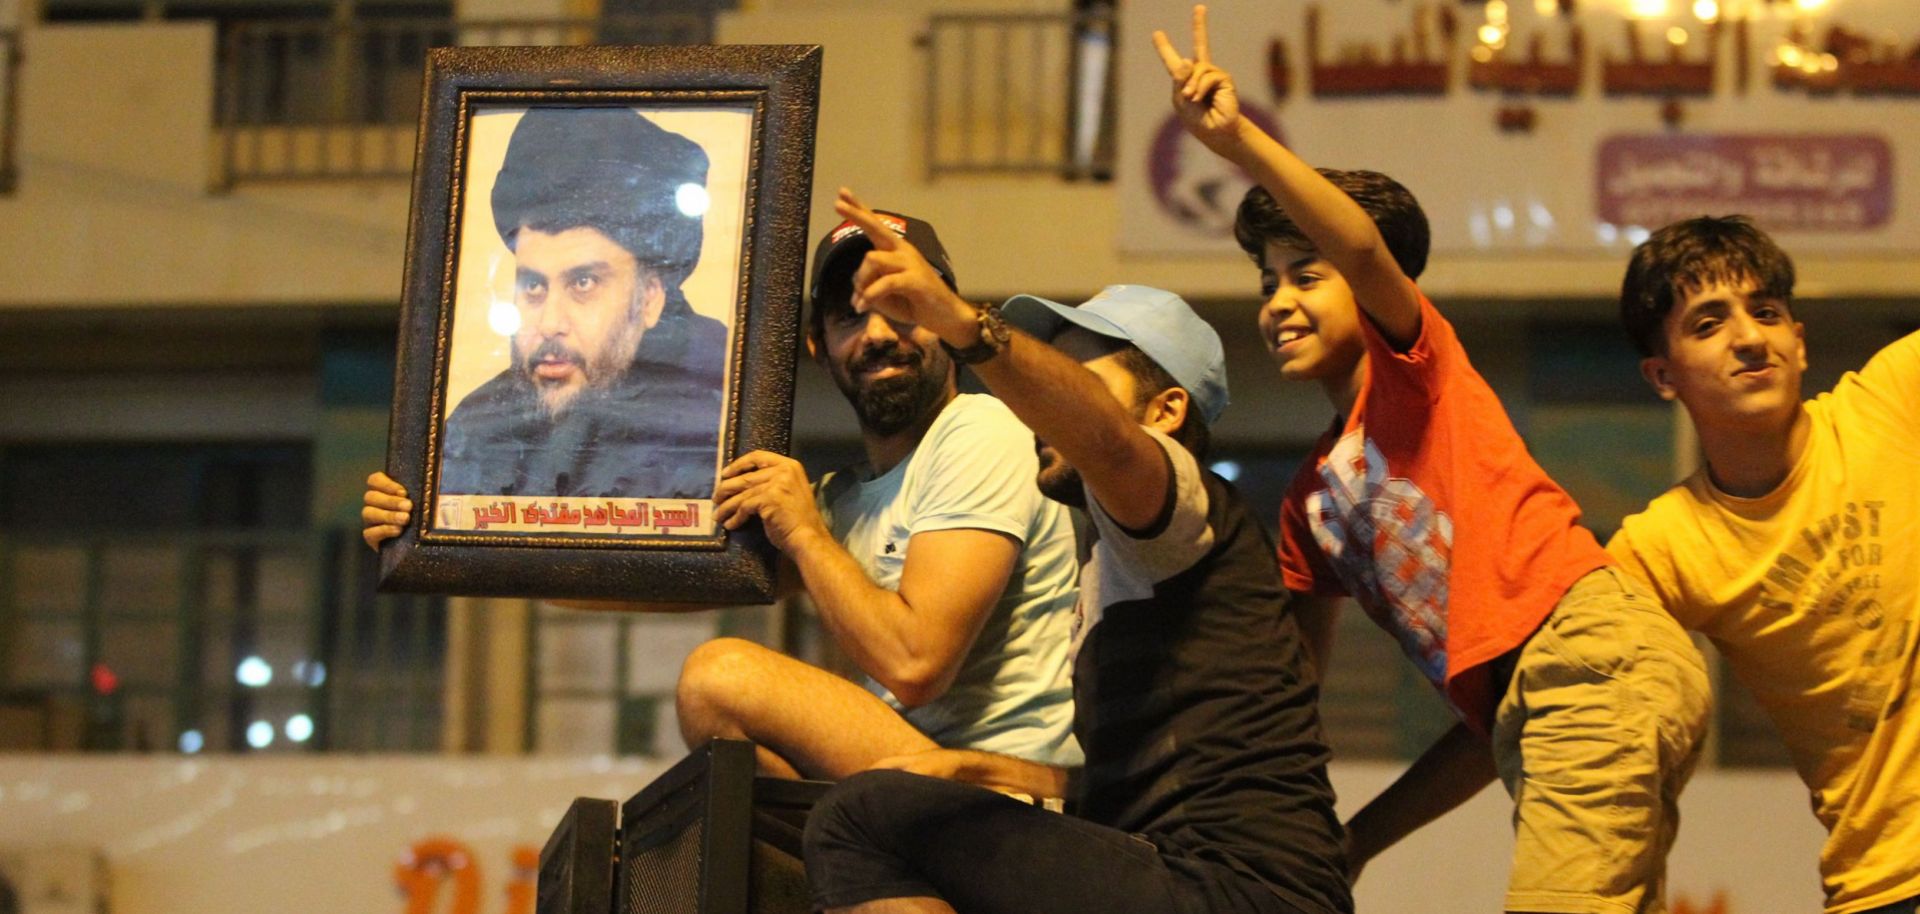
<point>1159,322</point>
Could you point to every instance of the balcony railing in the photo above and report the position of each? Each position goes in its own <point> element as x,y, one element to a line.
<point>1015,93</point>
<point>340,99</point>
<point>9,109</point>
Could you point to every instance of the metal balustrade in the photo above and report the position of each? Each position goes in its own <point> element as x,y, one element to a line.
<point>9,110</point>
<point>1012,93</point>
<point>306,100</point>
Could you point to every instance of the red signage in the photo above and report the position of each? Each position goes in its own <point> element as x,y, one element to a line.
<point>442,861</point>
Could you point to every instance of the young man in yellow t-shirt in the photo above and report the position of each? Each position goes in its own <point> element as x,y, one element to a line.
<point>1794,548</point>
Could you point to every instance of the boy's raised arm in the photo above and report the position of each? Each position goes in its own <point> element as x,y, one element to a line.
<point>1208,105</point>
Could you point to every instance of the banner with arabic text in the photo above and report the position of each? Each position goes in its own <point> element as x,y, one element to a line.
<point>1541,126</point>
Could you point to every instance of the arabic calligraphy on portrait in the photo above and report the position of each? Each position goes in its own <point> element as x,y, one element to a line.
<point>596,516</point>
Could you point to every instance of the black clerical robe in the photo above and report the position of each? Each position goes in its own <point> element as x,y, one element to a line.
<point>653,434</point>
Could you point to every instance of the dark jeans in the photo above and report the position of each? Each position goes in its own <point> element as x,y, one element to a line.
<point>889,834</point>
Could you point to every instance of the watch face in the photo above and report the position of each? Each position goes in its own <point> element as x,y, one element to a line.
<point>994,334</point>
<point>993,327</point>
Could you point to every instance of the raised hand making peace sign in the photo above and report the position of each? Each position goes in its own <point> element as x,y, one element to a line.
<point>1203,94</point>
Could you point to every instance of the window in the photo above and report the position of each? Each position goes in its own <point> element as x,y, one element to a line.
<point>172,597</point>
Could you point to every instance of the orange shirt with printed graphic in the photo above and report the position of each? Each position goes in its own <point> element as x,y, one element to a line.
<point>1425,507</point>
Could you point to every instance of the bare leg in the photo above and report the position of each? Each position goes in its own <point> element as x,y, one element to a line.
<point>898,906</point>
<point>807,721</point>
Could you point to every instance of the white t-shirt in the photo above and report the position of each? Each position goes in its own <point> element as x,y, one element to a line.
<point>975,469</point>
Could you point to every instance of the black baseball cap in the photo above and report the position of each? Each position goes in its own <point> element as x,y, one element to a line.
<point>843,248</point>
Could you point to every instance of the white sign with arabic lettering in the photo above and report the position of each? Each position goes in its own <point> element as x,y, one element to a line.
<point>1523,128</point>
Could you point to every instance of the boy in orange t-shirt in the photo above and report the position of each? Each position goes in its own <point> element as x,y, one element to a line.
<point>1422,503</point>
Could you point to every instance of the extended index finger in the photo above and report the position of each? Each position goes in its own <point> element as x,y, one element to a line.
<point>1174,62</point>
<point>1201,54</point>
<point>850,206</point>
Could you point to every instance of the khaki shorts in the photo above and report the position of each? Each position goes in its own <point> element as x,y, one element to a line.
<point>1600,728</point>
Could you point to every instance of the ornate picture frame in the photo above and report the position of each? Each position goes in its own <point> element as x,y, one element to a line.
<point>600,309</point>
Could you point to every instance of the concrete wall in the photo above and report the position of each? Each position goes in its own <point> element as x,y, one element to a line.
<point>217,835</point>
<point>116,209</point>
<point>114,206</point>
<point>118,154</point>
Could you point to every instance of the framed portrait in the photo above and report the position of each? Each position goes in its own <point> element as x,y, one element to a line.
<point>601,304</point>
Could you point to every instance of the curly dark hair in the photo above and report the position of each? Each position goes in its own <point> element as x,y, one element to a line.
<point>1398,215</point>
<point>1688,256</point>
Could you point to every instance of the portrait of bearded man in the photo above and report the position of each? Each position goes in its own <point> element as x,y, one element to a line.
<point>614,384</point>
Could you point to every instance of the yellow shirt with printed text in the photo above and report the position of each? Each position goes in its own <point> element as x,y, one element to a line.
<point>1809,592</point>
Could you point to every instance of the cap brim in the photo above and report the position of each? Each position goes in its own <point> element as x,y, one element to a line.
<point>846,255</point>
<point>842,256</point>
<point>1046,319</point>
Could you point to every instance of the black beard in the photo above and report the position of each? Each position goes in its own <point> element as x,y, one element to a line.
<point>892,405</point>
<point>598,376</point>
<point>888,406</point>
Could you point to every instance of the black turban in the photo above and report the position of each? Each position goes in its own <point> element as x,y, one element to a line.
<point>609,169</point>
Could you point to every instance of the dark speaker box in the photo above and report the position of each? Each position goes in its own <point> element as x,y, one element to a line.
<point>706,837</point>
<point>578,863</point>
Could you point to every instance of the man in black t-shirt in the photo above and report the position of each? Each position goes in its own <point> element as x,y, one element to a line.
<point>1205,787</point>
